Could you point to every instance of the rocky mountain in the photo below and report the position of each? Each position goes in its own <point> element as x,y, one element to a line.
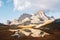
<point>23,16</point>
<point>14,22</point>
<point>37,18</point>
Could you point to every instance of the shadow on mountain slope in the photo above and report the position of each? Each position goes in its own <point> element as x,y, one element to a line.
<point>50,28</point>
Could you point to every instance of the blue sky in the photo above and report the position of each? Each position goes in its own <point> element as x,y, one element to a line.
<point>12,9</point>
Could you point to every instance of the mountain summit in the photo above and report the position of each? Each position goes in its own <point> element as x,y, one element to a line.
<point>37,18</point>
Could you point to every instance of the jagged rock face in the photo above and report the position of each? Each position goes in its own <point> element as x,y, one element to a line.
<point>26,21</point>
<point>14,22</point>
<point>41,15</point>
<point>38,18</point>
<point>8,22</point>
<point>35,19</point>
<point>22,17</point>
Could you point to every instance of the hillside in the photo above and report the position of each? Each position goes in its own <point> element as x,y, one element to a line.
<point>54,31</point>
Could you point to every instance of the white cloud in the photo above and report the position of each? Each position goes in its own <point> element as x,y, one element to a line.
<point>42,4</point>
<point>21,5</point>
<point>47,4</point>
<point>1,3</point>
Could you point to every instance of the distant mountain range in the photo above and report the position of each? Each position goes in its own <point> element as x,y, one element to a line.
<point>37,18</point>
